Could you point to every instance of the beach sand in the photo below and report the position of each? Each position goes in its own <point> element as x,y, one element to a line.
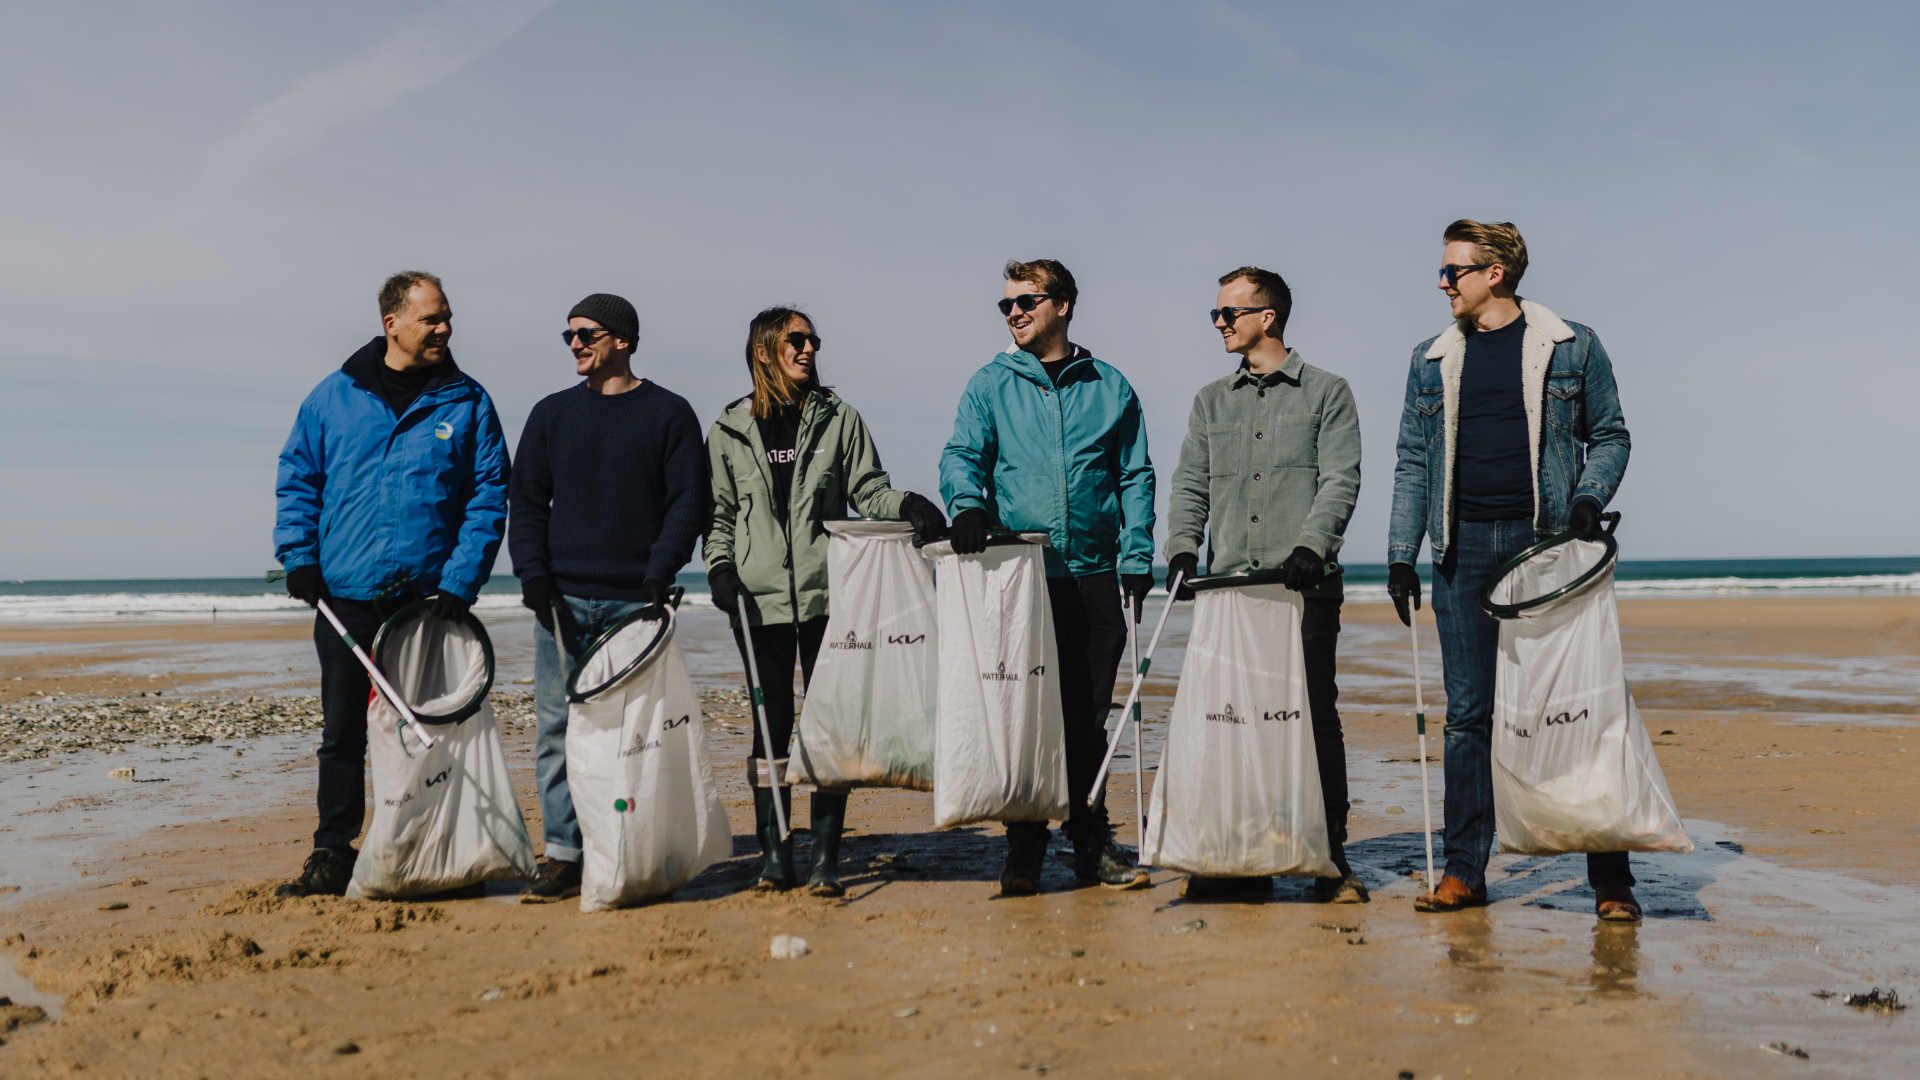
<point>1788,729</point>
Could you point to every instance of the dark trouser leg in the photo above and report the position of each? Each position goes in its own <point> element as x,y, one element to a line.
<point>1609,868</point>
<point>774,646</point>
<point>1320,639</point>
<point>1469,650</point>
<point>1090,635</point>
<point>344,687</point>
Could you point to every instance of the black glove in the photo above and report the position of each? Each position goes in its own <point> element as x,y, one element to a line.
<point>1584,519</point>
<point>305,584</point>
<point>928,521</point>
<point>1137,587</point>
<point>969,532</point>
<point>1303,569</point>
<point>539,595</point>
<point>1403,584</point>
<point>656,592</point>
<point>724,582</point>
<point>449,607</point>
<point>1186,567</point>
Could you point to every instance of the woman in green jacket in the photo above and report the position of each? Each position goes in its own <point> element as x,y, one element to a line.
<point>784,459</point>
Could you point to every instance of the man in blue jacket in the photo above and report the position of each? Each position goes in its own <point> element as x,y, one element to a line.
<point>392,487</point>
<point>1511,432</point>
<point>1049,439</point>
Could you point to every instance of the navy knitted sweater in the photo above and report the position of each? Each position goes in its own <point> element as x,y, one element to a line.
<point>608,491</point>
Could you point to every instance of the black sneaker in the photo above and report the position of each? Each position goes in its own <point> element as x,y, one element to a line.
<point>1026,859</point>
<point>557,880</point>
<point>1341,890</point>
<point>1112,865</point>
<point>326,874</point>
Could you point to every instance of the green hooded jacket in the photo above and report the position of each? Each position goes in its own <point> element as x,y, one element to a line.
<point>783,564</point>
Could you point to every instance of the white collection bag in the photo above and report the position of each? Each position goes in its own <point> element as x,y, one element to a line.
<point>999,749</point>
<point>1237,793</point>
<point>1573,768</point>
<point>445,816</point>
<point>868,716</point>
<point>650,813</point>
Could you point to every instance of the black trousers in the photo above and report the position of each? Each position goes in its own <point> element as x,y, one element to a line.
<point>344,688</point>
<point>775,646</point>
<point>1090,633</point>
<point>1320,639</point>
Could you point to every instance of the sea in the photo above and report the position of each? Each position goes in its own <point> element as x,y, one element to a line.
<point>252,597</point>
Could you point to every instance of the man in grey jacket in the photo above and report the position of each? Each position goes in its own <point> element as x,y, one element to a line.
<point>1272,462</point>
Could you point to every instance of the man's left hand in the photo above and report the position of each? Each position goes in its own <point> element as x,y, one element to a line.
<point>929,524</point>
<point>449,607</point>
<point>1137,587</point>
<point>1584,519</point>
<point>1303,569</point>
<point>655,591</point>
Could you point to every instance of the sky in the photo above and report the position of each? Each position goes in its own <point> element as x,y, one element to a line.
<point>198,203</point>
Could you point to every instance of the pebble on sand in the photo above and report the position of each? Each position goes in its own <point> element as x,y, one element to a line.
<point>788,947</point>
<point>114,905</point>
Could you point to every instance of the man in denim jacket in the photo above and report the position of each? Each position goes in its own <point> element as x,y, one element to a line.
<point>1511,432</point>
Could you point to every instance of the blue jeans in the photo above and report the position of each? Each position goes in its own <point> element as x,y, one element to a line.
<point>1469,652</point>
<point>582,621</point>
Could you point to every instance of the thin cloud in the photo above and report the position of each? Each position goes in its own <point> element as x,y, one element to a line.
<point>421,54</point>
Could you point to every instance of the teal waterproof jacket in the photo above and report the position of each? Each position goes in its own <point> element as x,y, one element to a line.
<point>1069,461</point>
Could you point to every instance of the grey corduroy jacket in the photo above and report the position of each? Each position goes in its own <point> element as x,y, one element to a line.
<point>1271,463</point>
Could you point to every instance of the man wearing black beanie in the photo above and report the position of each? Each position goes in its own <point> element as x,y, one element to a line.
<point>609,495</point>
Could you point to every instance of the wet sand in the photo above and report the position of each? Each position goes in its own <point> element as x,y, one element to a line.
<point>1797,785</point>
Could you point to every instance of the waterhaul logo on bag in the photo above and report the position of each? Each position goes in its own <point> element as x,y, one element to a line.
<point>1520,731</point>
<point>1227,717</point>
<point>1002,675</point>
<point>852,642</point>
<point>640,743</point>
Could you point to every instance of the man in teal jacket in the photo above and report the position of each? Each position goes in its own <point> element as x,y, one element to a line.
<point>1049,439</point>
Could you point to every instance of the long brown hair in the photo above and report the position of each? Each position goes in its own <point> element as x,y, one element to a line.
<point>771,386</point>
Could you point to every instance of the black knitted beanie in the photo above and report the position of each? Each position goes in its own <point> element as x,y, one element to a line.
<point>610,311</point>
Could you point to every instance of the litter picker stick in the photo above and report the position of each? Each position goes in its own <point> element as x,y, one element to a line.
<point>386,688</point>
<point>1420,723</point>
<point>559,646</point>
<point>760,710</point>
<point>1139,785</point>
<point>1139,676</point>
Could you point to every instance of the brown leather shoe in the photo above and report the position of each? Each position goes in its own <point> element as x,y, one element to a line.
<point>1615,903</point>
<point>1452,895</point>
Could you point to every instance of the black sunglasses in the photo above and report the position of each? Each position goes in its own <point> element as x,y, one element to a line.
<point>1026,301</point>
<point>800,341</point>
<point>1233,313</point>
<point>1451,272</point>
<point>587,335</point>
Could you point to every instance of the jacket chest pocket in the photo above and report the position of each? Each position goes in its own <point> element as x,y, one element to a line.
<point>1226,450</point>
<point>1564,400</point>
<point>1287,441</point>
<point>1429,404</point>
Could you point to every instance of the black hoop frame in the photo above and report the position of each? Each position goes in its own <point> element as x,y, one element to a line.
<point>1275,576</point>
<point>650,613</point>
<point>1513,611</point>
<point>472,704</point>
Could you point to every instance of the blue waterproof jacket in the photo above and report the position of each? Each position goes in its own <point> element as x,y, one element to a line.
<point>1071,462</point>
<point>418,500</point>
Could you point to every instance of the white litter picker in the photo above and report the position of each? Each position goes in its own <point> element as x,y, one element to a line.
<point>444,814</point>
<point>999,750</point>
<point>869,713</point>
<point>1238,787</point>
<point>650,813</point>
<point>1573,767</point>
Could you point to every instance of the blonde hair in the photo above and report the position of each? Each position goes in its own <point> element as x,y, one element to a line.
<point>1499,242</point>
<point>771,386</point>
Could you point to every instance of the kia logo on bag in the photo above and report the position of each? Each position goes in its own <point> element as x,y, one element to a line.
<point>1565,718</point>
<point>432,780</point>
<point>671,724</point>
<point>1039,671</point>
<point>1282,715</point>
<point>1000,675</point>
<point>905,639</point>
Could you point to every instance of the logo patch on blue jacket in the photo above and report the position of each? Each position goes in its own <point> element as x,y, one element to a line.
<point>443,430</point>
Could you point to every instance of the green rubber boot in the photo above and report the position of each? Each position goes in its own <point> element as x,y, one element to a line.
<point>776,875</point>
<point>829,821</point>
